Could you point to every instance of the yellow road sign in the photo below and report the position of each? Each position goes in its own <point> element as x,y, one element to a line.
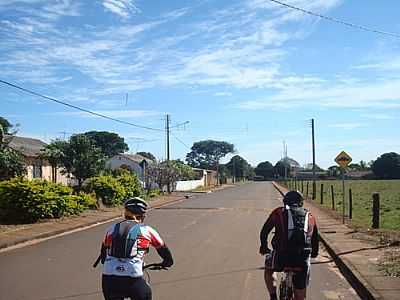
<point>343,159</point>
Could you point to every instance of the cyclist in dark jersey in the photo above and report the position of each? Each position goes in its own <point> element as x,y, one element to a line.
<point>284,254</point>
<point>123,248</point>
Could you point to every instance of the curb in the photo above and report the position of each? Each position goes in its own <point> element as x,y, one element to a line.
<point>362,288</point>
<point>55,232</point>
<point>4,246</point>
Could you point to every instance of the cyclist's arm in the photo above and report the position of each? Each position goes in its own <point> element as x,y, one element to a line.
<point>315,241</point>
<point>162,249</point>
<point>265,231</point>
<point>166,255</point>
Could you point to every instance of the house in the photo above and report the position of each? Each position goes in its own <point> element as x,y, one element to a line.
<point>134,162</point>
<point>36,167</point>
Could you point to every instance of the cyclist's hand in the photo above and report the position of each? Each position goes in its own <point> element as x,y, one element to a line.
<point>264,250</point>
<point>157,267</point>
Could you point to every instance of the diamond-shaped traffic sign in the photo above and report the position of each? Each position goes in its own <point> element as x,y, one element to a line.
<point>343,159</point>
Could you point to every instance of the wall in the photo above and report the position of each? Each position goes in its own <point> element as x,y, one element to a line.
<point>188,185</point>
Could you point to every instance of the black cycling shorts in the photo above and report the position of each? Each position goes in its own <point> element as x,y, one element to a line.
<point>120,287</point>
<point>278,261</point>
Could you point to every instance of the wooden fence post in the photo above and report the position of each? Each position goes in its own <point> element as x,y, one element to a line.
<point>350,205</point>
<point>333,198</point>
<point>302,186</point>
<point>322,193</point>
<point>375,210</point>
<point>307,190</point>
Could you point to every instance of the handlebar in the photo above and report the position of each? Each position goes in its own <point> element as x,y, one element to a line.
<point>157,266</point>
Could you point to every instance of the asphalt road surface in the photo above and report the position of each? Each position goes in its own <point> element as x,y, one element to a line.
<point>214,241</point>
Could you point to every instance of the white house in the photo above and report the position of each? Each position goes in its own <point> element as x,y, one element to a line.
<point>134,162</point>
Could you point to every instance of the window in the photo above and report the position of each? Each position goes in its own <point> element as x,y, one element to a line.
<point>37,171</point>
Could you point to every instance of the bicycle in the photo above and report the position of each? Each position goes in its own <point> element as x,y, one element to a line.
<point>152,267</point>
<point>286,289</point>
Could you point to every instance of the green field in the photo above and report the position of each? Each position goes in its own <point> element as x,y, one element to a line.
<point>362,191</point>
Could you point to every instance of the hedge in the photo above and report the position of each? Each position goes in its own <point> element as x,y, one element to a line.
<point>28,201</point>
<point>113,190</point>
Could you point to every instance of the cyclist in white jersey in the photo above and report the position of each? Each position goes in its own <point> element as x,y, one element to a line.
<point>123,249</point>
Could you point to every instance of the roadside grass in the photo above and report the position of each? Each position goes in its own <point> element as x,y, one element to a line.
<point>362,190</point>
<point>390,264</point>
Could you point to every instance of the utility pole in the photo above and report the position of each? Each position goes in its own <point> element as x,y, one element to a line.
<point>313,154</point>
<point>167,133</point>
<point>285,160</point>
<point>167,146</point>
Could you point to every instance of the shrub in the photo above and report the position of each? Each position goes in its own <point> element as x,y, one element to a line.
<point>28,201</point>
<point>130,183</point>
<point>107,189</point>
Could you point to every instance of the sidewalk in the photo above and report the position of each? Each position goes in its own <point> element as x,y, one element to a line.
<point>356,258</point>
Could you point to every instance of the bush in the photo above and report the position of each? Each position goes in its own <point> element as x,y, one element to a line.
<point>107,189</point>
<point>28,201</point>
<point>131,184</point>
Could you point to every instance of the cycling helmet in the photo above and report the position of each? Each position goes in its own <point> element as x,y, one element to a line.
<point>136,205</point>
<point>293,198</point>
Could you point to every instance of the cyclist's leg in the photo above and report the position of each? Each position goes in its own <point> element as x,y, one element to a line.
<point>111,288</point>
<point>301,280</point>
<point>272,265</point>
<point>140,290</point>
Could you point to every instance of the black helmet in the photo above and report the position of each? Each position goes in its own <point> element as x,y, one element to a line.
<point>293,198</point>
<point>136,205</point>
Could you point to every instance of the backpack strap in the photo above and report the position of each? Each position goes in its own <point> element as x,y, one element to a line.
<point>123,238</point>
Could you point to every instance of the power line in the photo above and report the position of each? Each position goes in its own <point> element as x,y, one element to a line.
<point>357,26</point>
<point>77,107</point>
<point>179,140</point>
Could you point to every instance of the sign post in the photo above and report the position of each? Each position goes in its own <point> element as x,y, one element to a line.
<point>343,160</point>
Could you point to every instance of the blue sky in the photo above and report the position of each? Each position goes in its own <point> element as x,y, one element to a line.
<point>249,72</point>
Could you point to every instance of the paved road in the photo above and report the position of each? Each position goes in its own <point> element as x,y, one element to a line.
<point>214,239</point>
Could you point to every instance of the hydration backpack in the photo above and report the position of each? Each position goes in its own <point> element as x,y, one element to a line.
<point>124,238</point>
<point>299,241</point>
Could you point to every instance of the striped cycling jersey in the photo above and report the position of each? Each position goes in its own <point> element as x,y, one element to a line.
<point>133,266</point>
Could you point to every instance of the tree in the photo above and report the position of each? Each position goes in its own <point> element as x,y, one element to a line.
<point>185,172</point>
<point>82,158</point>
<point>147,155</point>
<point>54,154</point>
<point>108,142</point>
<point>11,161</point>
<point>265,169</point>
<point>279,168</point>
<point>207,154</point>
<point>363,165</point>
<point>334,171</point>
<point>163,174</point>
<point>354,167</point>
<point>239,167</point>
<point>387,166</point>
<point>5,125</point>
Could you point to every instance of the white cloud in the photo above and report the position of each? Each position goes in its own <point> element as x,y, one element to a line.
<point>346,126</point>
<point>383,95</point>
<point>115,113</point>
<point>377,116</point>
<point>223,94</point>
<point>122,8</point>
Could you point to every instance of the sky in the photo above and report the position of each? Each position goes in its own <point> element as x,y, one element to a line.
<point>251,72</point>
